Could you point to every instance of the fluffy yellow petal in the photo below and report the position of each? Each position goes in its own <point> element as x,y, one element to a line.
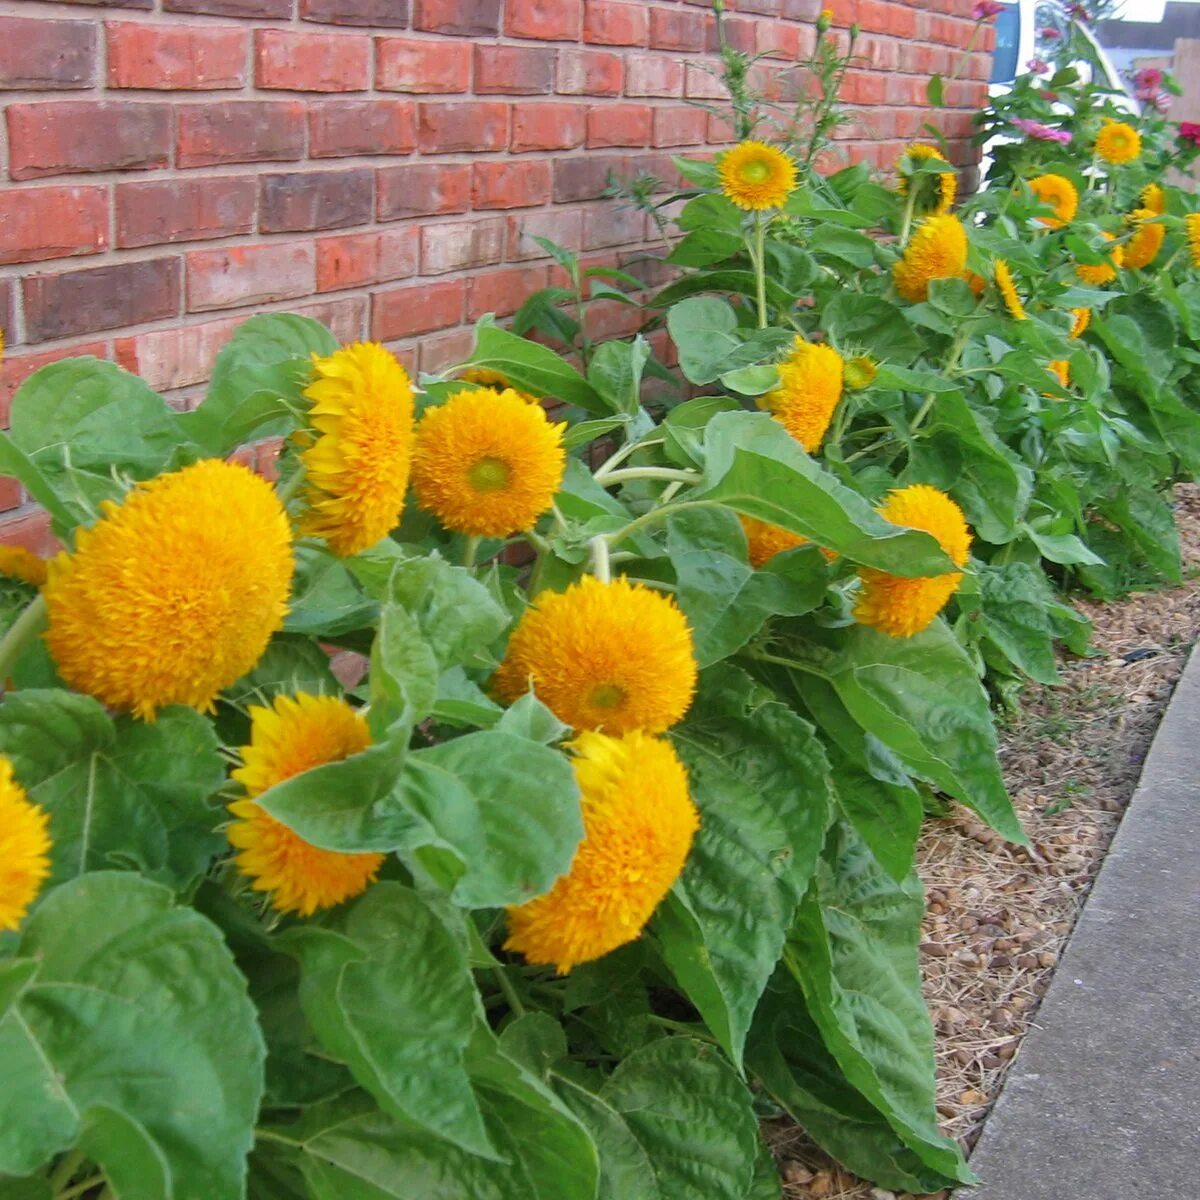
<point>24,850</point>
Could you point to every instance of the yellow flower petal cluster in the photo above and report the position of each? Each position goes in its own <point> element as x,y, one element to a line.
<point>18,563</point>
<point>1118,143</point>
<point>1060,194</point>
<point>901,607</point>
<point>639,823</point>
<point>1143,247</point>
<point>810,386</point>
<point>24,850</point>
<point>764,540</point>
<point>1154,198</point>
<point>174,593</point>
<point>756,176</point>
<point>293,736</point>
<point>1192,225</point>
<point>1060,368</point>
<point>938,250</point>
<point>494,380</point>
<point>357,468</point>
<point>1083,318</point>
<point>487,463</point>
<point>945,184</point>
<point>1008,291</point>
<point>1102,273</point>
<point>614,656</point>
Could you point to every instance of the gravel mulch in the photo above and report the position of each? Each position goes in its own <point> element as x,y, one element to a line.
<point>997,916</point>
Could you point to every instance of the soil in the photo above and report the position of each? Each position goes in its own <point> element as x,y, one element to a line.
<point>997,916</point>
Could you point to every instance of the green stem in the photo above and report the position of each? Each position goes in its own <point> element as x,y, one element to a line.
<point>265,1135</point>
<point>67,1168</point>
<point>760,267</point>
<point>601,567</point>
<point>796,665</point>
<point>951,362</point>
<point>510,992</point>
<point>78,1189</point>
<point>22,631</point>
<point>655,514</point>
<point>289,491</point>
<point>681,1027</point>
<point>619,456</point>
<point>669,474</point>
<point>471,551</point>
<point>910,204</point>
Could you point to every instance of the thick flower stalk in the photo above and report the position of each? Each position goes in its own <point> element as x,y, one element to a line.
<point>639,823</point>
<point>1060,194</point>
<point>174,593</point>
<point>756,176</point>
<point>810,386</point>
<point>614,656</point>
<point>938,250</point>
<point>357,467</point>
<point>292,736</point>
<point>24,850</point>
<point>901,607</point>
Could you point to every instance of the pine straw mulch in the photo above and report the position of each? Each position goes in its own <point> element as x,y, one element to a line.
<point>997,917</point>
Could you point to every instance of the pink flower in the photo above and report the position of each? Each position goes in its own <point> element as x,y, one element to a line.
<point>1037,66</point>
<point>1149,79</point>
<point>985,10</point>
<point>1049,33</point>
<point>1162,102</point>
<point>1189,131</point>
<point>1047,94</point>
<point>1035,129</point>
<point>1079,12</point>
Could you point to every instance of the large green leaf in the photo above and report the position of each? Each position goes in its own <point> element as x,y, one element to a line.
<point>1147,520</point>
<point>1014,605</point>
<point>852,319</point>
<point>625,1169</point>
<point>760,779</point>
<point>533,368</point>
<point>616,373</point>
<point>710,342</point>
<point>135,1040</point>
<point>119,791</point>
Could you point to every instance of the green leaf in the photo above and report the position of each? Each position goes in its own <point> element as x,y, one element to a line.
<point>757,468</point>
<point>766,1184</point>
<point>326,602</point>
<point>692,1114</point>
<point>616,373</point>
<point>879,327</point>
<point>404,670</point>
<point>704,247</point>
<point>136,1040</point>
<point>740,283</point>
<point>533,368</point>
<point>934,91</point>
<point>390,994</point>
<point>529,718</point>
<point>843,245</point>
<point>711,212</point>
<point>119,792</point>
<point>1147,519</point>
<point>761,781</point>
<point>952,297</point>
<point>1064,548</point>
<point>1014,603</point>
<point>16,464</point>
<point>625,1169</point>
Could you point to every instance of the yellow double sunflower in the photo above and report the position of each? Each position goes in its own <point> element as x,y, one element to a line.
<point>24,850</point>
<point>810,386</point>
<point>938,250</point>
<point>1147,240</point>
<point>756,176</point>
<point>1058,193</point>
<point>1118,143</point>
<point>1008,291</point>
<point>1192,226</point>
<point>1098,274</point>
<point>944,186</point>
<point>1083,318</point>
<point>18,563</point>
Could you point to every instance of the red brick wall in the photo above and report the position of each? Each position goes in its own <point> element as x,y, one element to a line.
<point>172,166</point>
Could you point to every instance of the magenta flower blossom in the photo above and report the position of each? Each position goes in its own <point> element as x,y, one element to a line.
<point>1189,131</point>
<point>985,10</point>
<point>1035,129</point>
<point>1038,66</point>
<point>1049,33</point>
<point>1149,78</point>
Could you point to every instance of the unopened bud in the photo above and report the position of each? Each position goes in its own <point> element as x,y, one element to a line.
<point>824,20</point>
<point>860,372</point>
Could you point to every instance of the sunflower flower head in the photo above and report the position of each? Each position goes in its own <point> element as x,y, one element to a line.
<point>901,607</point>
<point>1058,193</point>
<point>1143,247</point>
<point>941,188</point>
<point>292,736</point>
<point>18,563</point>
<point>1083,318</point>
<point>614,656</point>
<point>357,466</point>
<point>494,380</point>
<point>1192,225</point>
<point>1098,274</point>
<point>810,386</point>
<point>639,822</point>
<point>756,176</point>
<point>174,593</point>
<point>1008,291</point>
<point>1060,368</point>
<point>1118,143</point>
<point>1154,198</point>
<point>764,540</point>
<point>938,250</point>
<point>24,850</point>
<point>487,463</point>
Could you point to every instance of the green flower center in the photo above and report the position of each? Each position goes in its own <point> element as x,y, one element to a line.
<point>607,695</point>
<point>756,172</point>
<point>489,475</point>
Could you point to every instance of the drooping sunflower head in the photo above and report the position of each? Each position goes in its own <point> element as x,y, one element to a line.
<point>756,176</point>
<point>18,563</point>
<point>901,607</point>
<point>1083,318</point>
<point>292,736</point>
<point>764,540</point>
<point>940,189</point>
<point>1060,368</point>
<point>24,850</point>
<point>1098,274</point>
<point>1192,225</point>
<point>639,822</point>
<point>1118,143</point>
<point>487,463</point>
<point>174,593</point>
<point>1143,247</point>
<point>938,250</point>
<point>1060,194</point>
<point>357,465</point>
<point>810,386</point>
<point>1154,198</point>
<point>494,380</point>
<point>1008,291</point>
<point>614,656</point>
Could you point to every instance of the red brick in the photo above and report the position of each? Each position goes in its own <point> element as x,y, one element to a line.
<point>82,302</point>
<point>676,29</point>
<point>469,128</point>
<point>409,65</point>
<point>612,224</point>
<point>546,20</point>
<point>245,131</point>
<point>113,3</point>
<point>270,9</point>
<point>175,57</point>
<point>250,274</point>
<point>173,358</point>
<point>618,125</point>
<point>32,530</point>
<point>701,84</point>
<point>420,308</point>
<point>7,306</point>
<point>681,126</point>
<point>470,18</point>
<point>52,222</point>
<point>653,75</point>
<point>359,259</point>
<point>589,73</point>
<point>305,200</point>
<point>72,138</point>
<point>507,184</point>
<point>613,24</point>
<point>422,189</point>
<point>547,127</point>
<point>37,52</point>
<point>343,127</point>
<point>740,35</point>
<point>356,12</point>
<point>435,354</point>
<point>585,177</point>
<point>456,245</point>
<point>563,226</point>
<point>503,292</point>
<point>311,62</point>
<point>11,496</point>
<point>513,70</point>
<point>183,210</point>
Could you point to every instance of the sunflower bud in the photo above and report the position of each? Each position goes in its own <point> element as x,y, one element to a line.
<point>860,372</point>
<point>718,6</point>
<point>825,20</point>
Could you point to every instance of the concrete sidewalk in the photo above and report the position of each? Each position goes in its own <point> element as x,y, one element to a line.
<point>1103,1101</point>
